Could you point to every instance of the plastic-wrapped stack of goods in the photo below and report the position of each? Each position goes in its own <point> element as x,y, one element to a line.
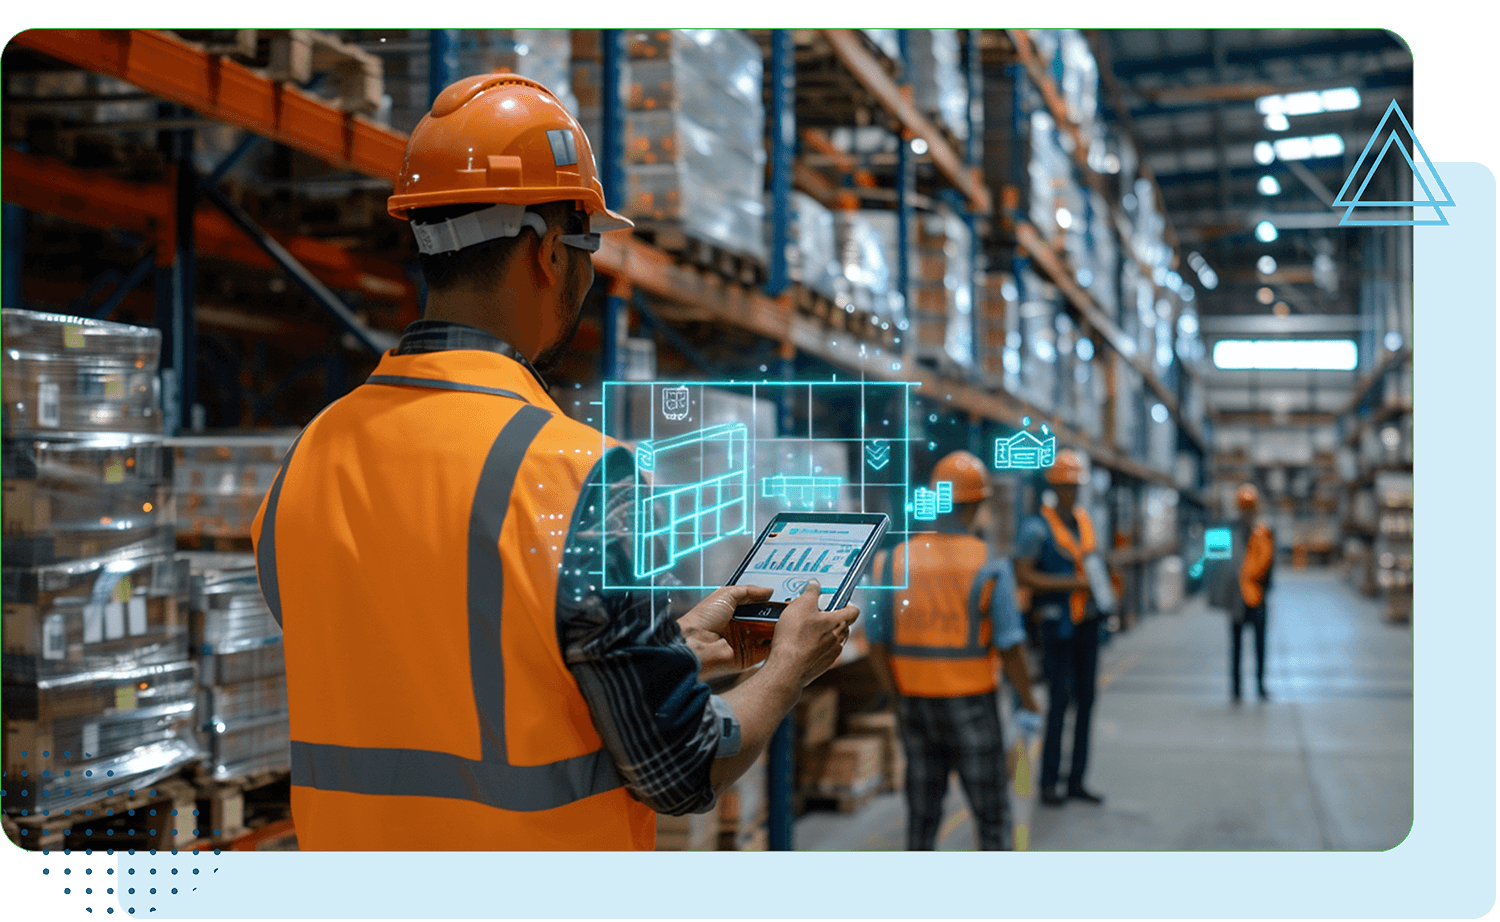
<point>942,287</point>
<point>1036,379</point>
<point>219,482</point>
<point>695,158</point>
<point>811,256</point>
<point>544,55</point>
<point>1158,516</point>
<point>1057,202</point>
<point>937,77</point>
<point>1130,408</point>
<point>997,301</point>
<point>99,686</point>
<point>1099,270</point>
<point>586,82</point>
<point>242,698</point>
<point>866,253</point>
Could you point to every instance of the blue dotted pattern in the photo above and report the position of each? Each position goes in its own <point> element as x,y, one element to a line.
<point>148,825</point>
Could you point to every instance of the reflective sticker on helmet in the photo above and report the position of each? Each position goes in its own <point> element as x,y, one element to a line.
<point>564,153</point>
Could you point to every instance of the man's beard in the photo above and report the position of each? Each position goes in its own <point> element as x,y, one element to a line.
<point>550,358</point>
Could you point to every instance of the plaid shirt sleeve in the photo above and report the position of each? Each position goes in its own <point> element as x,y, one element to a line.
<point>659,722</point>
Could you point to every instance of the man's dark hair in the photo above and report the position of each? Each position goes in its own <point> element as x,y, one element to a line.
<point>483,263</point>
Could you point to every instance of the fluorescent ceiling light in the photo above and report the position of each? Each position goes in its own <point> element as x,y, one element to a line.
<point>1268,185</point>
<point>1266,264</point>
<point>1302,103</point>
<point>1341,99</point>
<point>1290,354</point>
<point>1264,153</point>
<point>1327,145</point>
<point>1277,122</point>
<point>1265,232</point>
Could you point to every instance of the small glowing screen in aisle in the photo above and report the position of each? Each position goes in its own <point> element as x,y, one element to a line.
<point>792,555</point>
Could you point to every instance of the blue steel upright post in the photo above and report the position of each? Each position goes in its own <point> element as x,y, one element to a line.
<point>780,770</point>
<point>15,257</point>
<point>442,60</point>
<point>904,170</point>
<point>611,149</point>
<point>782,81</point>
<point>973,151</point>
<point>175,283</point>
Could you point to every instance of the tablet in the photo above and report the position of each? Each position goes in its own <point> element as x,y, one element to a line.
<point>835,548</point>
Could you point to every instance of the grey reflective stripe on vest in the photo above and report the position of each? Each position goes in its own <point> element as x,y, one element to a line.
<point>435,384</point>
<point>490,780</point>
<point>972,648</point>
<point>265,550</point>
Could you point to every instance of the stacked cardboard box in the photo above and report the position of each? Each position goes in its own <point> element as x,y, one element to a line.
<point>942,316</point>
<point>996,297</point>
<point>847,769</point>
<point>98,686</point>
<point>696,832</point>
<point>882,726</point>
<point>742,810</point>
<point>220,480</point>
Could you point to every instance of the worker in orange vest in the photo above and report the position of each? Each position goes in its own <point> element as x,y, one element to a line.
<point>935,647</point>
<point>1052,552</point>
<point>1254,556</point>
<point>439,547</point>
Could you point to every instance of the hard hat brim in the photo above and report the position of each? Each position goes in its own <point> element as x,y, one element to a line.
<point>605,221</point>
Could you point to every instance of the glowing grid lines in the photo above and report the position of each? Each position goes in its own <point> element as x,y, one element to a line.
<point>687,502</point>
<point>690,504</point>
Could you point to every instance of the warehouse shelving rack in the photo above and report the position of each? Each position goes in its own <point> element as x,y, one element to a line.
<point>188,216</point>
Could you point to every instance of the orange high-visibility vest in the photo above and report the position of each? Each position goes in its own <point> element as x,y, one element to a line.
<point>410,547</point>
<point>941,628</point>
<point>1077,548</point>
<point>1260,550</point>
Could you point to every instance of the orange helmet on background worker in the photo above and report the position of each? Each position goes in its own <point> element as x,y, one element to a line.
<point>963,469</point>
<point>1247,497</point>
<point>505,140</point>
<point>1067,467</point>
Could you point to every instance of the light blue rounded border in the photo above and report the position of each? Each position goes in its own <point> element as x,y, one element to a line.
<point>1445,867</point>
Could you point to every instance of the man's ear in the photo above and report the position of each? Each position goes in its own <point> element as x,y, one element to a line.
<point>551,262</point>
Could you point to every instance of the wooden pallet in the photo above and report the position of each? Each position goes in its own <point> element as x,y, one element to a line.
<point>161,817</point>
<point>297,54</point>
<point>843,798</point>
<point>224,803</point>
<point>671,237</point>
<point>223,544</point>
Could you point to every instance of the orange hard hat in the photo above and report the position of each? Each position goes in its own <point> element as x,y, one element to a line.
<point>1247,497</point>
<point>1066,468</point>
<point>971,482</point>
<point>498,139</point>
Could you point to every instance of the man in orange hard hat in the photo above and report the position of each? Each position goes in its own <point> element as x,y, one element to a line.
<point>934,647</point>
<point>1053,554</point>
<point>1246,579</point>
<point>439,546</point>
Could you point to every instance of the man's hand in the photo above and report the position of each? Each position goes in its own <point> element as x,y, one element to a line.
<point>705,629</point>
<point>808,640</point>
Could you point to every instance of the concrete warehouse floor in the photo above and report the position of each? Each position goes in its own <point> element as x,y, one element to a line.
<point>1325,764</point>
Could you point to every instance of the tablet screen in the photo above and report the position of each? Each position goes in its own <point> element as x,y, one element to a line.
<point>794,552</point>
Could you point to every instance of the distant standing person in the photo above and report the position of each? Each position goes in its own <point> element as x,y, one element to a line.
<point>1254,556</point>
<point>1050,555</point>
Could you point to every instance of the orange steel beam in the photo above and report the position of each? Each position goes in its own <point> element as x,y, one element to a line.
<point>851,51</point>
<point>51,187</point>
<point>178,72</point>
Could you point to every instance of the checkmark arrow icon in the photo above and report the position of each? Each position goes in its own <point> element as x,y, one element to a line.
<point>878,454</point>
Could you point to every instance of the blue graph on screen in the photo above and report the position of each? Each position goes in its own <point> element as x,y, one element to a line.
<point>677,519</point>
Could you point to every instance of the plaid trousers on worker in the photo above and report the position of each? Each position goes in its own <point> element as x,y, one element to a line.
<point>943,734</point>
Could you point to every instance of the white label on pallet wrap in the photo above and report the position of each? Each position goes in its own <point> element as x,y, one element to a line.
<point>114,620</point>
<point>90,739</point>
<point>54,637</point>
<point>48,405</point>
<point>93,622</point>
<point>137,620</point>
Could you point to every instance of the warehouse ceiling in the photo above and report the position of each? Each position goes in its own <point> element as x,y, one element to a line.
<point>1191,99</point>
